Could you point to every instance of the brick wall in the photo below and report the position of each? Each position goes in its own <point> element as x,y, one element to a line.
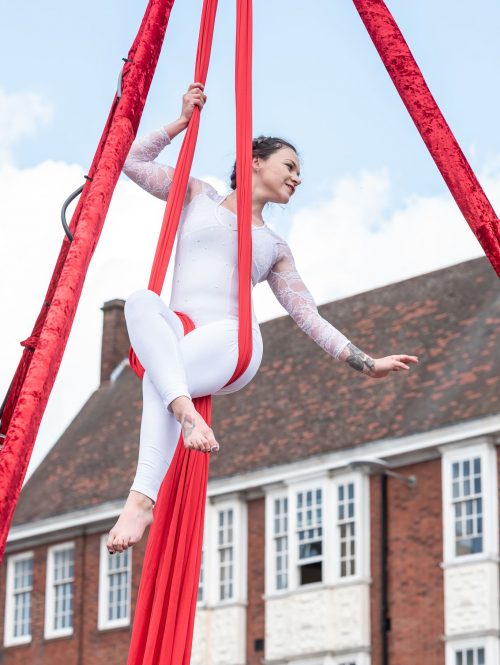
<point>415,584</point>
<point>256,581</point>
<point>87,645</point>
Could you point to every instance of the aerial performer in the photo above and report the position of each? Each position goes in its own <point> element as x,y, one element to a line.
<point>205,287</point>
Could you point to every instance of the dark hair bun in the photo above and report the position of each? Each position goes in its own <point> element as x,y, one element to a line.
<point>263,147</point>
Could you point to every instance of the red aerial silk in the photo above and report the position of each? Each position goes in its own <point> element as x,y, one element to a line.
<point>433,128</point>
<point>165,609</point>
<point>164,617</point>
<point>35,376</point>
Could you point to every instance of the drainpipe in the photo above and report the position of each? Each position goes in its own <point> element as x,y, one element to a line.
<point>385,621</point>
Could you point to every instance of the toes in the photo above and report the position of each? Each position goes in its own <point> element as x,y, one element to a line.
<point>110,541</point>
<point>117,544</point>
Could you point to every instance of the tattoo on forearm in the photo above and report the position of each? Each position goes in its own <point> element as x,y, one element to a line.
<point>359,360</point>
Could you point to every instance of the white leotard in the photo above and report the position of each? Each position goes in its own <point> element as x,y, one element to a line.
<point>205,274</point>
<point>205,287</point>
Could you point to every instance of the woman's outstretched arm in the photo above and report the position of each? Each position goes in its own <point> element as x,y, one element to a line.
<point>294,296</point>
<point>140,166</point>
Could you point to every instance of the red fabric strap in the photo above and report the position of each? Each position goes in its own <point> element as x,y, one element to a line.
<point>434,130</point>
<point>166,604</point>
<point>37,370</point>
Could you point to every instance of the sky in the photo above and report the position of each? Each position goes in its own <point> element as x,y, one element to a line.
<point>372,208</point>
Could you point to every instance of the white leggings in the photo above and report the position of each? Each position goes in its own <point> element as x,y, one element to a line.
<point>197,364</point>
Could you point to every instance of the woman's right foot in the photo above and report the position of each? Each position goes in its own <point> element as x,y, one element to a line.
<point>136,516</point>
<point>196,433</point>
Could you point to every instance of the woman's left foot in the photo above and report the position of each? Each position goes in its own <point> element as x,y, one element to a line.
<point>136,516</point>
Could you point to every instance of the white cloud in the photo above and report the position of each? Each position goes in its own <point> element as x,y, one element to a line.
<point>31,239</point>
<point>351,241</point>
<point>355,240</point>
<point>21,113</point>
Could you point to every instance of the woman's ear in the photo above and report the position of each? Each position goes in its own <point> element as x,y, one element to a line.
<point>256,163</point>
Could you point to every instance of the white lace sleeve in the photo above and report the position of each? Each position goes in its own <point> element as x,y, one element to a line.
<point>292,293</point>
<point>152,176</point>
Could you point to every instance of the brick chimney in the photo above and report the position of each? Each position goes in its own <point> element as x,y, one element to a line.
<point>115,342</point>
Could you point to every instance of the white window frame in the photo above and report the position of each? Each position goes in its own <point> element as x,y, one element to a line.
<point>283,534</point>
<point>356,658</point>
<point>294,544</point>
<point>328,482</point>
<point>240,554</point>
<point>361,484</point>
<point>9,638</point>
<point>49,631</point>
<point>274,493</point>
<point>489,486</point>
<point>103,622</point>
<point>489,644</point>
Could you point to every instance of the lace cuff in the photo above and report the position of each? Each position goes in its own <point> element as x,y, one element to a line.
<point>294,296</point>
<point>140,166</point>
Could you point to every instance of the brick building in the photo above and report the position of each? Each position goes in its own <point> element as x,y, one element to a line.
<point>319,549</point>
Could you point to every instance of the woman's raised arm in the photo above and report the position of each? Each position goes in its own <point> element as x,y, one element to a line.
<point>140,165</point>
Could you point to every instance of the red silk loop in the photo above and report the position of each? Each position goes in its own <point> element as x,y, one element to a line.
<point>166,604</point>
<point>432,126</point>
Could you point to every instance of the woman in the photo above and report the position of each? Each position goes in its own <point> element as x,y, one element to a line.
<point>205,287</point>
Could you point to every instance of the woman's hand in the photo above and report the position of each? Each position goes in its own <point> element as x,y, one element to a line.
<point>193,97</point>
<point>383,366</point>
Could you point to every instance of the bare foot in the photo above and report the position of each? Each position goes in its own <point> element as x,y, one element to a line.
<point>196,433</point>
<point>137,514</point>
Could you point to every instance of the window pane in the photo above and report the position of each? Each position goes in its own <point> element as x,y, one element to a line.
<point>346,511</point>
<point>63,576</point>
<point>309,534</point>
<point>467,505</point>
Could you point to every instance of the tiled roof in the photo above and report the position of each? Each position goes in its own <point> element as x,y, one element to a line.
<point>302,402</point>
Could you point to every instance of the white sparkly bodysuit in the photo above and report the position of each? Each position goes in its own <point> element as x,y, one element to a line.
<point>205,287</point>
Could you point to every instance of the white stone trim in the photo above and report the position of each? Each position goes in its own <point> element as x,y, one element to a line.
<point>359,658</point>
<point>49,631</point>
<point>8,635</point>
<point>103,623</point>
<point>488,455</point>
<point>489,643</point>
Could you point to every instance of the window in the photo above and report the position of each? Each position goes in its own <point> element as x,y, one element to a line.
<point>467,501</point>
<point>470,506</point>
<point>310,536</point>
<point>114,587</point>
<point>225,546</point>
<point>280,537</point>
<point>18,599</point>
<point>473,656</point>
<point>59,596</point>
<point>473,651</point>
<point>346,527</point>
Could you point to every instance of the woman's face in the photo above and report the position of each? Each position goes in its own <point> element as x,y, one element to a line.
<point>276,178</point>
